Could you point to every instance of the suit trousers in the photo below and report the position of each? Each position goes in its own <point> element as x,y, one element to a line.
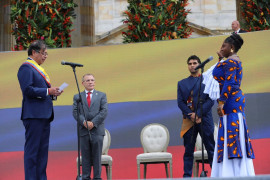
<point>91,155</point>
<point>189,143</point>
<point>37,133</point>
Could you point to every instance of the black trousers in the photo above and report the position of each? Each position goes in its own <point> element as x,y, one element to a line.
<point>189,143</point>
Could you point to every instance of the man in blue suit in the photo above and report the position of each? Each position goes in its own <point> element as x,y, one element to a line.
<point>187,98</point>
<point>37,110</point>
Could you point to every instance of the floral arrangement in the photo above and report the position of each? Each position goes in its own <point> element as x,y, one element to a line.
<point>48,20</point>
<point>256,14</point>
<point>152,20</point>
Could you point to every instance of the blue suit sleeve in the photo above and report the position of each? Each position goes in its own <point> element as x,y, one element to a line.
<point>181,102</point>
<point>207,105</point>
<point>26,78</point>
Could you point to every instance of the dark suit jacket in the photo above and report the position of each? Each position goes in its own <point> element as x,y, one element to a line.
<point>242,31</point>
<point>183,92</point>
<point>35,104</point>
<point>96,113</point>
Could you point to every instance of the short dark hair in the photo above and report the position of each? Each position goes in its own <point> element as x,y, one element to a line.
<point>194,57</point>
<point>36,46</point>
<point>235,40</point>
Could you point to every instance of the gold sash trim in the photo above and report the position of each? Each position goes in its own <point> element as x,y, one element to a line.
<point>186,125</point>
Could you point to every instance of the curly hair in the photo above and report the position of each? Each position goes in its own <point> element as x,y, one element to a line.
<point>235,40</point>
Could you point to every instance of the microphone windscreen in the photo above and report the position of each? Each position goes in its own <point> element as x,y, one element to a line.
<point>211,58</point>
<point>63,62</point>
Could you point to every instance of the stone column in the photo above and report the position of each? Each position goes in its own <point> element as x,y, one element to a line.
<point>84,24</point>
<point>87,14</point>
<point>239,12</point>
<point>5,26</point>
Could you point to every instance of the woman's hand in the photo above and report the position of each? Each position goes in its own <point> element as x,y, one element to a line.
<point>220,110</point>
<point>220,56</point>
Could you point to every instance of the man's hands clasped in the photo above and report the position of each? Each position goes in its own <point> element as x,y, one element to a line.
<point>197,120</point>
<point>89,125</point>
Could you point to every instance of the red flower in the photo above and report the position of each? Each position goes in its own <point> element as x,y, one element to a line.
<point>131,28</point>
<point>29,29</point>
<point>137,18</point>
<point>148,7</point>
<point>146,35</point>
<point>20,47</point>
<point>154,37</point>
<point>27,13</point>
<point>135,36</point>
<point>179,27</point>
<point>158,22</point>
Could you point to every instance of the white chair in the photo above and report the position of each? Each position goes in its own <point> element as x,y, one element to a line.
<point>155,139</point>
<point>198,153</point>
<point>106,160</point>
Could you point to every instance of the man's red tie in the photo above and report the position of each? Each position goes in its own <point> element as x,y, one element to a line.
<point>89,99</point>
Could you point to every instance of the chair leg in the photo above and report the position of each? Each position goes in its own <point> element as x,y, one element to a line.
<point>166,168</point>
<point>145,169</point>
<point>107,171</point>
<point>197,167</point>
<point>110,173</point>
<point>170,164</point>
<point>138,170</point>
<point>194,169</point>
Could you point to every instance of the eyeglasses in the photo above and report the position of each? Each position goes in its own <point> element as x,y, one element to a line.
<point>43,53</point>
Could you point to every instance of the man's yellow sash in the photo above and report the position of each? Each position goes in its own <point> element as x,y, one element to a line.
<point>186,125</point>
<point>39,69</point>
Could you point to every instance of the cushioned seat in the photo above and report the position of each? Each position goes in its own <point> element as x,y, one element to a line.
<point>155,139</point>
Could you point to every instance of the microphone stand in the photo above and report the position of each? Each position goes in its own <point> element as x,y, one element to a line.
<point>80,103</point>
<point>200,102</point>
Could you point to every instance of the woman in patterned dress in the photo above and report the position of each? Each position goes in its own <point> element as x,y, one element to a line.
<point>233,151</point>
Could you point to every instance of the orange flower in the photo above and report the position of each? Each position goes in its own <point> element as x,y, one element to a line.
<point>154,27</point>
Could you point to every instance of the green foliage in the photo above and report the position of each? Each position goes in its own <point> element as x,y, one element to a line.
<point>49,20</point>
<point>256,14</point>
<point>151,20</point>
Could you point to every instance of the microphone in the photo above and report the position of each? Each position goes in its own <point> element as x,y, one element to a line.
<point>204,62</point>
<point>71,64</point>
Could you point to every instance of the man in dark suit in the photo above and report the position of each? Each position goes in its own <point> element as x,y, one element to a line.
<point>37,111</point>
<point>187,98</point>
<point>95,109</point>
<point>236,27</point>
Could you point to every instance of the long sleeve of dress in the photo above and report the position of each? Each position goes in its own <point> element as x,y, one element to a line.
<point>230,80</point>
